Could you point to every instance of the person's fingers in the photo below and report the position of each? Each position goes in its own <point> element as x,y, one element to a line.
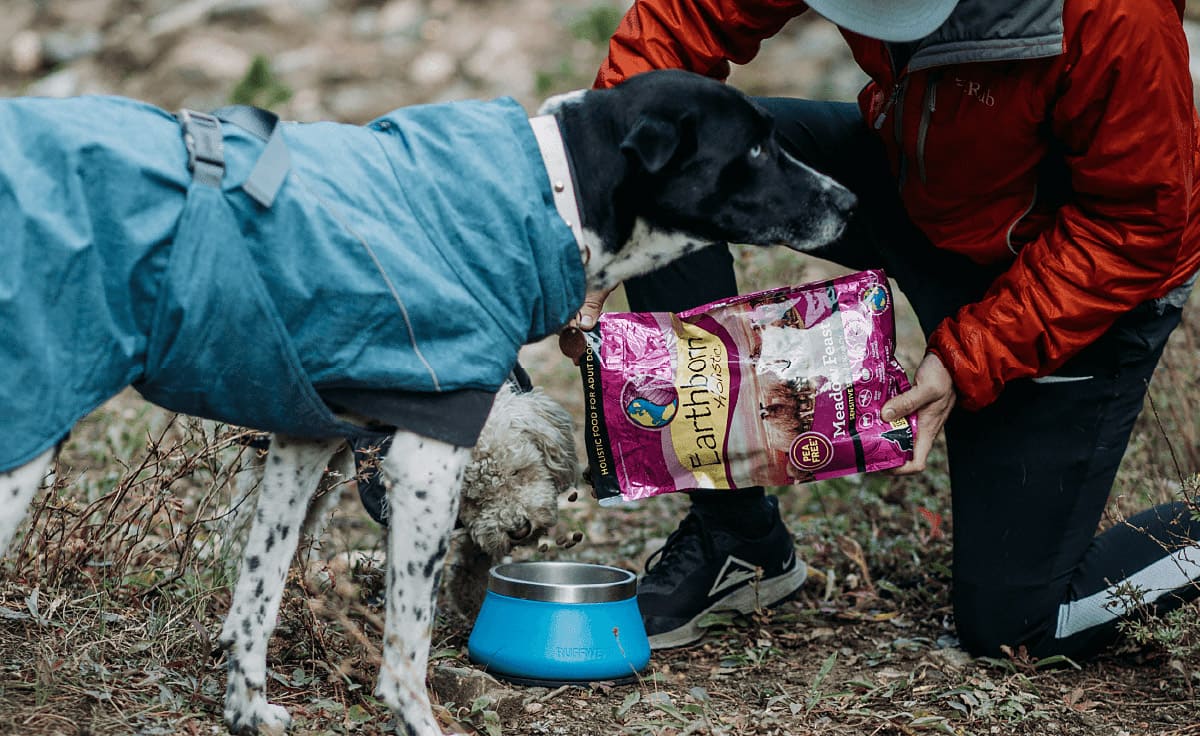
<point>932,385</point>
<point>571,341</point>
<point>593,305</point>
<point>928,424</point>
<point>931,399</point>
<point>908,403</point>
<point>914,401</point>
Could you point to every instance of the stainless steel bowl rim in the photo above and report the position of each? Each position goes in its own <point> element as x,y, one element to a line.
<point>562,582</point>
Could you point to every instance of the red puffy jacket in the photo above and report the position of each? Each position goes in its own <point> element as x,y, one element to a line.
<point>1097,90</point>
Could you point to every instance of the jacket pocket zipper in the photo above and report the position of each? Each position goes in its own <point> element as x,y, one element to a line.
<point>923,131</point>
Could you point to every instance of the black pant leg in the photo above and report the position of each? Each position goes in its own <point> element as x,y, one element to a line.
<point>1031,475</point>
<point>697,278</point>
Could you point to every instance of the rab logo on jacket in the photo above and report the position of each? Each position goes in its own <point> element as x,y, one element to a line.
<point>976,90</point>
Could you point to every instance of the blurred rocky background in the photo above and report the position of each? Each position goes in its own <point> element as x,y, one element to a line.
<point>348,60</point>
<point>351,60</point>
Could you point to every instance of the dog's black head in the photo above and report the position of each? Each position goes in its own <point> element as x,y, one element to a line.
<point>670,161</point>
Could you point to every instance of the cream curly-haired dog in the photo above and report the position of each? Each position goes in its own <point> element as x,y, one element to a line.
<point>524,460</point>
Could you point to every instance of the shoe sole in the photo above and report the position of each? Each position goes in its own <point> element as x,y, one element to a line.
<point>747,599</point>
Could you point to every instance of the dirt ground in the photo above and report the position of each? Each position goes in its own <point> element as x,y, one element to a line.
<point>110,610</point>
<point>866,648</point>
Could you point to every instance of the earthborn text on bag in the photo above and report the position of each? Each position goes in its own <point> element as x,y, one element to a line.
<point>777,387</point>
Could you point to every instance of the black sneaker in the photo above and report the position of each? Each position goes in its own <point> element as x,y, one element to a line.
<point>704,568</point>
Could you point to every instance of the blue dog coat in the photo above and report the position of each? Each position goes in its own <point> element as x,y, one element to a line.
<point>418,252</point>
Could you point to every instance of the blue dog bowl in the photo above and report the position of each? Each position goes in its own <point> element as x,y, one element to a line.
<point>555,623</point>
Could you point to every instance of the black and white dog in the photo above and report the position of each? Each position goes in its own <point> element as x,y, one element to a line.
<point>659,166</point>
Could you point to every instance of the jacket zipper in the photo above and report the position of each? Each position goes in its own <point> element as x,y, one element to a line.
<point>896,87</point>
<point>887,107</point>
<point>896,101</point>
<point>930,105</point>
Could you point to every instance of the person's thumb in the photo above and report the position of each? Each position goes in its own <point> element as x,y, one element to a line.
<point>905,404</point>
<point>933,385</point>
<point>593,305</point>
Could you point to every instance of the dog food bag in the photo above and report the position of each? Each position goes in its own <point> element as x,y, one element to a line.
<point>773,388</point>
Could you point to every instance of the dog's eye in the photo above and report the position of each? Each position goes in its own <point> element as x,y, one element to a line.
<point>756,151</point>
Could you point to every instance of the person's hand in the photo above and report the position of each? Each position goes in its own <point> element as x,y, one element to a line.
<point>593,305</point>
<point>570,340</point>
<point>931,398</point>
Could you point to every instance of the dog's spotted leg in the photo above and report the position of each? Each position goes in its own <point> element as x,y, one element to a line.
<point>293,469</point>
<point>423,478</point>
<point>320,512</point>
<point>17,488</point>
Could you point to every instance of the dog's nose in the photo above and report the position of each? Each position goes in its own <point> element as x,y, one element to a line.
<point>843,199</point>
<point>520,533</point>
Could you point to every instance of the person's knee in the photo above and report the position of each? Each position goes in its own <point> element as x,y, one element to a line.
<point>998,623</point>
<point>988,621</point>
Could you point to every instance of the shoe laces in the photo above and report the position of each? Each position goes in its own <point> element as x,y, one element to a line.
<point>691,539</point>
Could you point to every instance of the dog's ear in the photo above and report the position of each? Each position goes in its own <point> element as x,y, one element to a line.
<point>653,141</point>
<point>553,433</point>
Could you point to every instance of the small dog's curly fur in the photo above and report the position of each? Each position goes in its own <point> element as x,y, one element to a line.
<point>524,460</point>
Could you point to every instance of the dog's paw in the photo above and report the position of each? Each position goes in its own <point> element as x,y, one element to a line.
<point>257,717</point>
<point>409,703</point>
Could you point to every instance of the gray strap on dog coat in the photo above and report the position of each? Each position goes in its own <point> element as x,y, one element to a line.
<point>206,158</point>
<point>273,163</point>
<point>456,417</point>
<point>205,146</point>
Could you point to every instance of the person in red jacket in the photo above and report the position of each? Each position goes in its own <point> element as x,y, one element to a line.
<point>1026,173</point>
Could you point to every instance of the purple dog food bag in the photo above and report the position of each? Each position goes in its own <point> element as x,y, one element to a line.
<point>773,388</point>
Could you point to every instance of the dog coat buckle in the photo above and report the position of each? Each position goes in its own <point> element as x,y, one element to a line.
<point>205,148</point>
<point>273,162</point>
